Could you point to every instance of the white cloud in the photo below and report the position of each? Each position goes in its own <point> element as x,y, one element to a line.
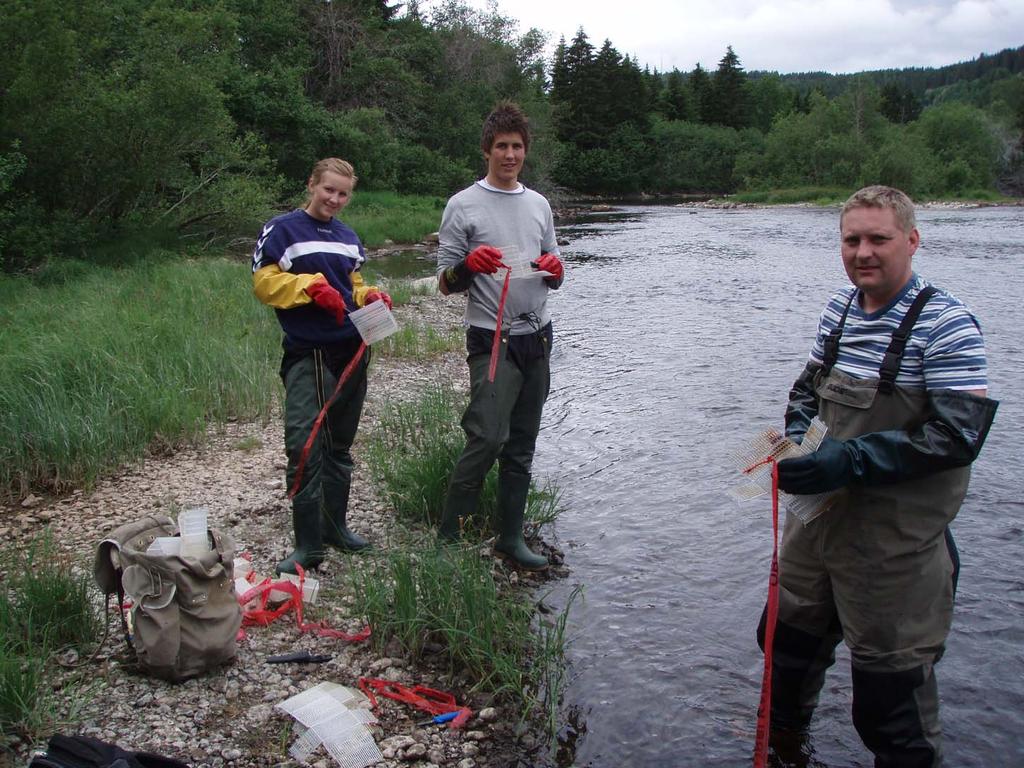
<point>785,35</point>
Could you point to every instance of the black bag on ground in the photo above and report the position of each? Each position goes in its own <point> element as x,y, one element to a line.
<point>184,615</point>
<point>87,752</point>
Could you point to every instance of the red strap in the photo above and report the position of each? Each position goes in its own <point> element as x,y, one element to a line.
<point>263,616</point>
<point>497,326</point>
<point>345,375</point>
<point>429,700</point>
<point>764,711</point>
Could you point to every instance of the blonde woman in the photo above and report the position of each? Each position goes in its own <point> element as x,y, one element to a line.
<point>306,265</point>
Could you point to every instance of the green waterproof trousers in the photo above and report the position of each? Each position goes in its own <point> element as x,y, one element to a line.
<point>501,423</point>
<point>320,506</point>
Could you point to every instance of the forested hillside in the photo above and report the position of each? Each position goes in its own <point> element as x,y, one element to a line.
<point>923,82</point>
<point>139,118</point>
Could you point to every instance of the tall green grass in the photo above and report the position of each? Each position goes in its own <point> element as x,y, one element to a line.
<point>838,195</point>
<point>419,341</point>
<point>977,195</point>
<point>815,195</point>
<point>412,453</point>
<point>95,369</point>
<point>550,665</point>
<point>447,602</point>
<point>45,606</point>
<point>402,291</point>
<point>380,216</point>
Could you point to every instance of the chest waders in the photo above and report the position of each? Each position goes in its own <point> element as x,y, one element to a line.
<point>320,507</point>
<point>501,424</point>
<point>877,570</point>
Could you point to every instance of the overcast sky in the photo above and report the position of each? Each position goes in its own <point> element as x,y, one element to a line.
<point>782,35</point>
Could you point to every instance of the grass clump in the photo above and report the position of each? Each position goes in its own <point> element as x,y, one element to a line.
<point>447,597</point>
<point>95,370</point>
<point>401,291</point>
<point>446,602</point>
<point>412,453</point>
<point>419,342</point>
<point>45,607</point>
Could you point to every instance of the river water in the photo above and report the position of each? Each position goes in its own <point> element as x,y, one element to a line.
<point>677,336</point>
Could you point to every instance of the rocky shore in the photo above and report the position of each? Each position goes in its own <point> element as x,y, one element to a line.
<point>227,717</point>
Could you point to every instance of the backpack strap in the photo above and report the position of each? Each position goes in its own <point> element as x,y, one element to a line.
<point>120,612</point>
<point>894,354</point>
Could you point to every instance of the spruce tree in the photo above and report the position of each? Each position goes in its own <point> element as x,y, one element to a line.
<point>729,96</point>
<point>700,87</point>
<point>675,100</point>
<point>577,117</point>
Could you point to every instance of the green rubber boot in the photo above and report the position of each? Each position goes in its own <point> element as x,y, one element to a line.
<point>513,488</point>
<point>309,547</point>
<point>337,533</point>
<point>337,482</point>
<point>460,506</point>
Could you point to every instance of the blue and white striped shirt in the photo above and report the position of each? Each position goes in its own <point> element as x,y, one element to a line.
<point>945,349</point>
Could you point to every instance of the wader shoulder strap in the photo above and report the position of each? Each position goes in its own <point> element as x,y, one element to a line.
<point>894,354</point>
<point>831,342</point>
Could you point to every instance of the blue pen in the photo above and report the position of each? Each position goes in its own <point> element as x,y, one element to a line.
<point>439,719</point>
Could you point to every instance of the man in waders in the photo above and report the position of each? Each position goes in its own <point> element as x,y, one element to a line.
<point>492,224</point>
<point>898,375</point>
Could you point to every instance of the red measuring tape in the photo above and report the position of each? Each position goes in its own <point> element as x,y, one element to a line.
<point>262,616</point>
<point>497,327</point>
<point>346,374</point>
<point>420,696</point>
<point>764,710</point>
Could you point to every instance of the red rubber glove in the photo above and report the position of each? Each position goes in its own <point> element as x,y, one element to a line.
<point>548,262</point>
<point>327,298</point>
<point>373,296</point>
<point>484,259</point>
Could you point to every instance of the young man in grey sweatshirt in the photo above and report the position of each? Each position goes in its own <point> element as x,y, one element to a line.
<point>494,224</point>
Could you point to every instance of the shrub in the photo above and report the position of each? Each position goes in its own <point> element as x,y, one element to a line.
<point>45,606</point>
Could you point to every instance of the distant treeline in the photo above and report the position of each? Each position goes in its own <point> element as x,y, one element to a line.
<point>923,82</point>
<point>126,120</point>
<point>623,130</point>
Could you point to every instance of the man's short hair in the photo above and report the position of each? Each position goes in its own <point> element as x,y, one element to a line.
<point>506,117</point>
<point>879,196</point>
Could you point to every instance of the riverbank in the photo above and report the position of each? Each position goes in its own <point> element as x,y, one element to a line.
<point>830,195</point>
<point>227,717</point>
<point>952,205</point>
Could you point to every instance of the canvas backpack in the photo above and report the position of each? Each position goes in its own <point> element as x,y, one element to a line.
<point>184,616</point>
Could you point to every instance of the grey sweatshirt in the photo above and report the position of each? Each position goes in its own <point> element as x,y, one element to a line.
<point>519,223</point>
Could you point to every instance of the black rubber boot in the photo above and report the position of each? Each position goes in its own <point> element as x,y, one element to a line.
<point>513,489</point>
<point>799,663</point>
<point>460,505</point>
<point>337,533</point>
<point>791,749</point>
<point>897,716</point>
<point>309,547</point>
